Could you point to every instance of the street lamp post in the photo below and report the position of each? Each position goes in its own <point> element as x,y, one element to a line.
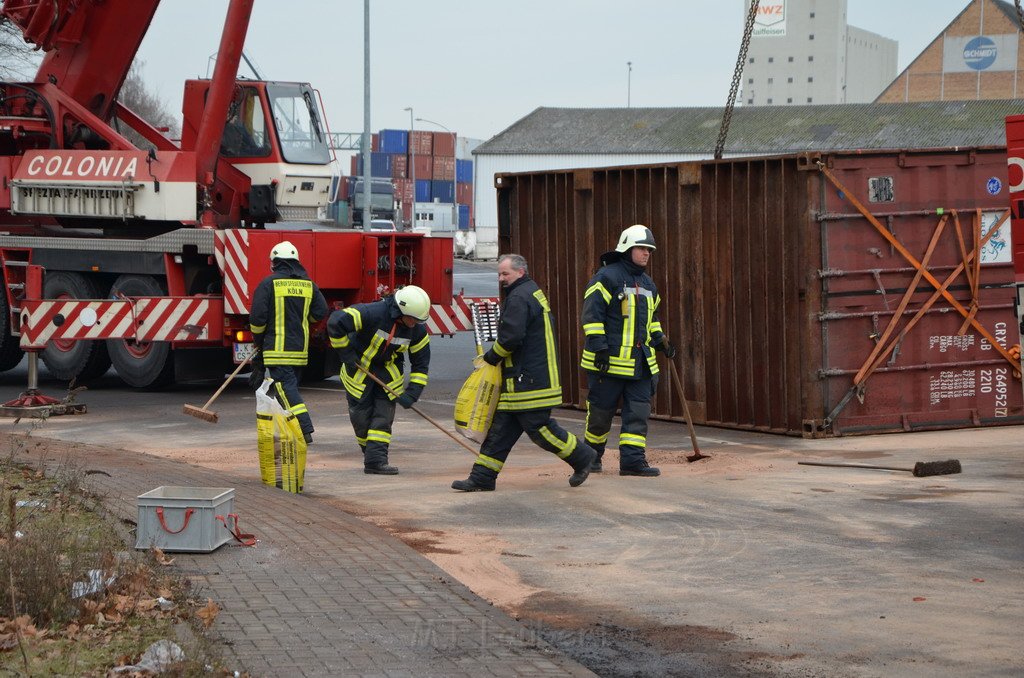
<point>455,203</point>
<point>412,170</point>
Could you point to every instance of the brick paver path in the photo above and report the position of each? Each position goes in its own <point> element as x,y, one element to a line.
<point>324,593</point>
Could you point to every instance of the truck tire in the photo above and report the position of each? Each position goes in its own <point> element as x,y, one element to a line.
<point>78,360</point>
<point>10,350</point>
<point>141,364</point>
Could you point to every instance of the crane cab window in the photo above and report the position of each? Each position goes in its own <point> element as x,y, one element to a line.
<point>298,125</point>
<point>245,132</point>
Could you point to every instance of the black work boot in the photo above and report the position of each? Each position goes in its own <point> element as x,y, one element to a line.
<point>643,470</point>
<point>382,469</point>
<point>595,466</point>
<point>470,485</point>
<point>583,467</point>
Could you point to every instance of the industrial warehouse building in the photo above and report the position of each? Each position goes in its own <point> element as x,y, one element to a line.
<point>977,56</point>
<point>564,138</point>
<point>803,52</point>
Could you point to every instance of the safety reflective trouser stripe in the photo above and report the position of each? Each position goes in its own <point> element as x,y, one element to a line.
<point>490,462</point>
<point>632,439</point>
<point>376,436</point>
<point>590,437</point>
<point>565,447</point>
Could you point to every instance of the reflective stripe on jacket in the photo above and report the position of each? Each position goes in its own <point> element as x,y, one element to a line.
<point>283,306</point>
<point>526,345</point>
<point>620,315</point>
<point>374,336</point>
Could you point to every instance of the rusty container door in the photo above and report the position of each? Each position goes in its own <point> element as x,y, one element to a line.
<point>781,293</point>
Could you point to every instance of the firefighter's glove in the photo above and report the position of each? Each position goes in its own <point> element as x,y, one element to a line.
<point>667,348</point>
<point>601,360</point>
<point>259,372</point>
<point>492,358</point>
<point>405,400</point>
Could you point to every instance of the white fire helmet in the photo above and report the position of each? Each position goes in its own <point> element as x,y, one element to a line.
<point>636,235</point>
<point>413,301</point>
<point>284,250</point>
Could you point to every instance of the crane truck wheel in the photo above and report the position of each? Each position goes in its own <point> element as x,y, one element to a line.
<point>142,364</point>
<point>10,350</point>
<point>78,360</point>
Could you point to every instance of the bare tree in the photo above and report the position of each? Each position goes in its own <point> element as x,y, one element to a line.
<point>147,105</point>
<point>18,61</point>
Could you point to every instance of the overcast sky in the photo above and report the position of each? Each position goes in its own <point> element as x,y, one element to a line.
<point>477,66</point>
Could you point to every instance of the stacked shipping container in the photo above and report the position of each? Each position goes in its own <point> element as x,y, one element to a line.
<point>431,158</point>
<point>794,311</point>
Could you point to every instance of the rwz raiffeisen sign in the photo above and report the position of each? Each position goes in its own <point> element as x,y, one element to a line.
<point>770,20</point>
<point>971,54</point>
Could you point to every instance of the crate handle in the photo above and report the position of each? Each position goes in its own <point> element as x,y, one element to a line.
<point>242,538</point>
<point>160,515</point>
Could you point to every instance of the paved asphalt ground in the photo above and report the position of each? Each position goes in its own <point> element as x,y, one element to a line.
<point>745,564</point>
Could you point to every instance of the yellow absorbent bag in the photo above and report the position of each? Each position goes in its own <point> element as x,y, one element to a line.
<point>279,440</point>
<point>477,401</point>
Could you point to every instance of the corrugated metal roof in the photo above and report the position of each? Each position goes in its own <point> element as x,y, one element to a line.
<point>758,129</point>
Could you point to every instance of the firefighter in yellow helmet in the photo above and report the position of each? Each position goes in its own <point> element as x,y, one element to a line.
<point>378,336</point>
<point>283,306</point>
<point>620,323</point>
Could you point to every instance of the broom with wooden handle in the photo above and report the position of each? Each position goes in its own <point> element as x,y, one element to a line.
<point>438,426</point>
<point>922,469</point>
<point>206,414</point>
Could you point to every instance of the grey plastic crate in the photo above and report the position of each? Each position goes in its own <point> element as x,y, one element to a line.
<point>189,518</point>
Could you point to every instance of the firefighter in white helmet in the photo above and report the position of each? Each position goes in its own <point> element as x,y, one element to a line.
<point>620,323</point>
<point>379,336</point>
<point>283,306</point>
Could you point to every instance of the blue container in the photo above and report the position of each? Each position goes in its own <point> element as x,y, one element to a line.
<point>423,190</point>
<point>463,217</point>
<point>443,191</point>
<point>464,171</point>
<point>394,141</point>
<point>380,165</point>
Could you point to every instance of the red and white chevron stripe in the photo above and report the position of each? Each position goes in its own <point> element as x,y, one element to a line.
<point>454,317</point>
<point>231,249</point>
<point>142,319</point>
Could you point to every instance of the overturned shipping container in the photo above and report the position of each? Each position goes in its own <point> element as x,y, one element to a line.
<point>811,294</point>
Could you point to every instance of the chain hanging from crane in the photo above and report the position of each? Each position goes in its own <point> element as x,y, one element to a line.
<point>738,74</point>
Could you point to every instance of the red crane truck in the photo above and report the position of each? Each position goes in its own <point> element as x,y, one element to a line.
<point>146,259</point>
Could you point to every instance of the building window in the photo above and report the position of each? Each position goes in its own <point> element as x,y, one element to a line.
<point>789,100</point>
<point>812,15</point>
<point>769,101</point>
<point>771,60</point>
<point>810,58</point>
<point>810,78</point>
<point>789,79</point>
<point>751,59</point>
<point>809,99</point>
<point>750,81</point>
<point>771,80</point>
<point>790,59</point>
<point>811,37</point>
<point>750,101</point>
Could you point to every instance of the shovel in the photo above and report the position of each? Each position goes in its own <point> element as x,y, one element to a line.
<point>678,382</point>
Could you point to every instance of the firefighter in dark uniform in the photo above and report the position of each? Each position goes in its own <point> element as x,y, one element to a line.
<point>378,336</point>
<point>620,323</point>
<point>526,350</point>
<point>283,306</point>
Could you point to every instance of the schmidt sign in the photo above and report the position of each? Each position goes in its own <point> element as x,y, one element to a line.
<point>980,53</point>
